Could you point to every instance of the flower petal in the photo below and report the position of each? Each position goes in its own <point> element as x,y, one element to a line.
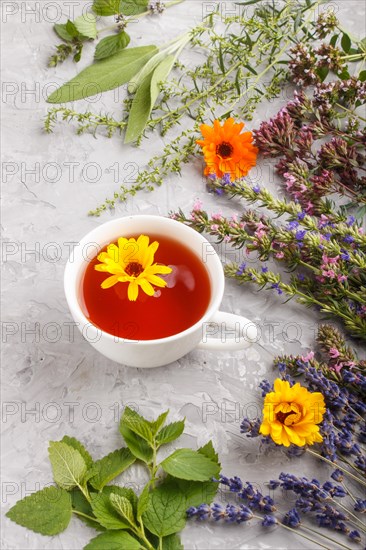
<point>133,291</point>
<point>110,281</point>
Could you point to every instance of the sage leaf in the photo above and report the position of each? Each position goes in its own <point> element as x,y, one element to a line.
<point>104,75</point>
<point>75,444</point>
<point>146,70</point>
<point>134,7</point>
<point>137,424</point>
<point>136,444</point>
<point>68,465</point>
<point>123,507</point>
<point>190,465</point>
<point>105,512</point>
<point>86,24</point>
<point>107,7</point>
<point>170,432</point>
<point>111,45</point>
<point>47,511</point>
<point>165,514</point>
<point>145,98</point>
<point>113,540</point>
<point>109,467</point>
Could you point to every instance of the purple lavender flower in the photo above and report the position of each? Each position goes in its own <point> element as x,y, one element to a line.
<point>250,427</point>
<point>268,521</point>
<point>348,239</point>
<point>266,387</point>
<point>355,536</point>
<point>337,475</point>
<point>360,505</point>
<point>292,518</point>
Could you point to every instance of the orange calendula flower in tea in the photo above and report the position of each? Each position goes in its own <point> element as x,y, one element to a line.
<point>291,414</point>
<point>226,150</point>
<point>132,262</point>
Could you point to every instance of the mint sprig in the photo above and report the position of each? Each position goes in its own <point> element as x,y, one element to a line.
<point>125,521</point>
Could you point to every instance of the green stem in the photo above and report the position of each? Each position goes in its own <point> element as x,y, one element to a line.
<point>351,112</point>
<point>326,537</point>
<point>160,543</point>
<point>76,512</point>
<point>338,466</point>
<point>360,525</point>
<point>85,492</point>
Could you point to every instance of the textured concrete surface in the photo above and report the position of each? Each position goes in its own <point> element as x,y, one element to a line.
<point>53,382</point>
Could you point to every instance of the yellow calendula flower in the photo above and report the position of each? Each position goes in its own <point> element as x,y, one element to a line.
<point>132,262</point>
<point>292,414</point>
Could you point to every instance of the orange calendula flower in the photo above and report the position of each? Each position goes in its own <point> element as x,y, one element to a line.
<point>226,150</point>
<point>132,262</point>
<point>292,414</point>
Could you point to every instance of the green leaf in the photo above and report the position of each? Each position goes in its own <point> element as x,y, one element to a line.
<point>143,500</point>
<point>362,76</point>
<point>123,507</point>
<point>68,465</point>
<point>80,504</point>
<point>134,7</point>
<point>136,444</point>
<point>114,540</point>
<point>104,75</point>
<point>105,513</point>
<point>197,492</point>
<point>253,71</point>
<point>71,29</point>
<point>146,71</point>
<point>107,7</point>
<point>172,542</point>
<point>191,465</point>
<point>165,514</point>
<point>208,451</point>
<point>137,424</point>
<point>110,466</point>
<point>61,31</point>
<point>75,444</point>
<point>170,432</point>
<point>322,72</point>
<point>123,492</point>
<point>111,45</point>
<point>158,423</point>
<point>145,98</point>
<point>248,2</point>
<point>346,43</point>
<point>86,24</point>
<point>47,512</point>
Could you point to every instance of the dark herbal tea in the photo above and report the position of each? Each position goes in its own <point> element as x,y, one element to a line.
<point>171,310</point>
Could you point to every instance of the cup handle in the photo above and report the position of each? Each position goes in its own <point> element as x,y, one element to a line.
<point>236,332</point>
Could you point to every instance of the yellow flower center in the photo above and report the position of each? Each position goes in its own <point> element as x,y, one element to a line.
<point>288,413</point>
<point>134,269</point>
<point>224,150</point>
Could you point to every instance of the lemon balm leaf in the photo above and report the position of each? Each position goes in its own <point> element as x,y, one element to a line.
<point>165,513</point>
<point>109,467</point>
<point>68,465</point>
<point>75,444</point>
<point>47,512</point>
<point>190,465</point>
<point>113,540</point>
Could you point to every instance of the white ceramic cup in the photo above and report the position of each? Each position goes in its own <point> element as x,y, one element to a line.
<point>235,332</point>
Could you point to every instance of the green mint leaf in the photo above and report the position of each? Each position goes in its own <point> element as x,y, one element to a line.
<point>134,7</point>
<point>107,7</point>
<point>104,75</point>
<point>170,432</point>
<point>105,513</point>
<point>113,540</point>
<point>137,424</point>
<point>346,43</point>
<point>80,504</point>
<point>123,507</point>
<point>208,451</point>
<point>86,24</point>
<point>68,465</point>
<point>123,492</point>
<point>61,31</point>
<point>166,510</point>
<point>136,444</point>
<point>145,98</point>
<point>71,29</point>
<point>109,467</point>
<point>172,542</point>
<point>158,423</point>
<point>75,444</point>
<point>111,45</point>
<point>190,465</point>
<point>143,501</point>
<point>47,512</point>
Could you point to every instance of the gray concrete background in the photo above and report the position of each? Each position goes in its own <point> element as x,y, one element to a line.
<point>54,384</point>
